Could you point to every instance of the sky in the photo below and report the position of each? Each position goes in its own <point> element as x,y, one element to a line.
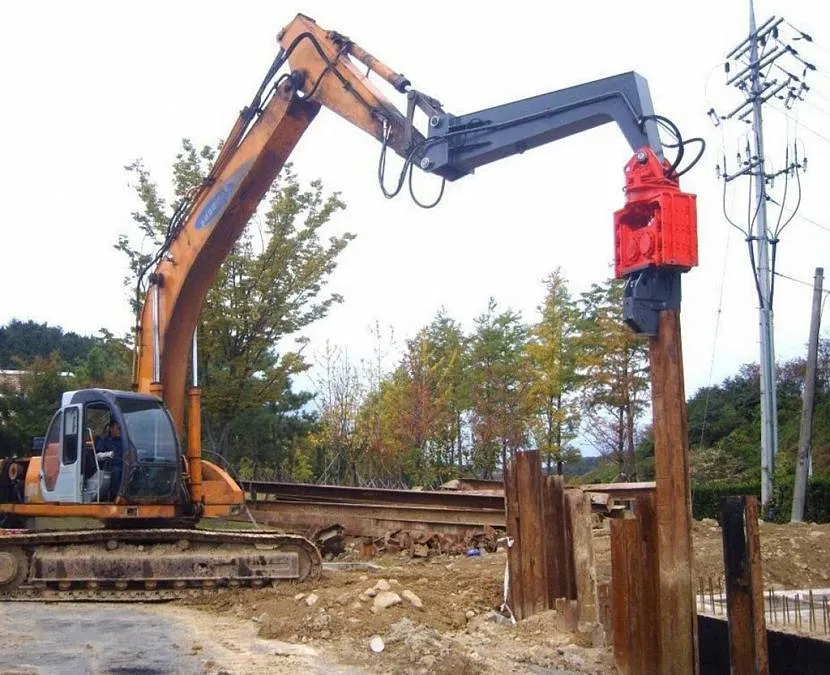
<point>89,87</point>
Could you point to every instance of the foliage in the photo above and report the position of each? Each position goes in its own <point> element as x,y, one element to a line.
<point>613,364</point>
<point>29,399</point>
<point>724,424</point>
<point>499,382</point>
<point>107,364</point>
<point>23,341</point>
<point>551,394</point>
<point>447,350</point>
<point>457,403</point>
<point>706,499</point>
<point>268,289</point>
<point>25,411</point>
<point>337,444</point>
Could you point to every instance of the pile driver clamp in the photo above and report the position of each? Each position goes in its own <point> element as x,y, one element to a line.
<point>655,233</point>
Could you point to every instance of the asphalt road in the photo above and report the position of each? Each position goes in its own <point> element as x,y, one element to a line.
<point>143,639</point>
<point>52,639</point>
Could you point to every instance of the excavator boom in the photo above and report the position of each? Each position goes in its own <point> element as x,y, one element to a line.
<point>322,73</point>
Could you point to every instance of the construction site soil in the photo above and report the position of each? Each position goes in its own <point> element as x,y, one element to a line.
<point>439,614</point>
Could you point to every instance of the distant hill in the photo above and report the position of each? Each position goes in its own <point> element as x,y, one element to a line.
<point>23,341</point>
<point>585,465</point>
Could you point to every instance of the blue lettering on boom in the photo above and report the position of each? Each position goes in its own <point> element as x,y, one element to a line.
<point>217,203</point>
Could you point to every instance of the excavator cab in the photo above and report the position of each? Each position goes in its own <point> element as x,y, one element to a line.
<point>143,467</point>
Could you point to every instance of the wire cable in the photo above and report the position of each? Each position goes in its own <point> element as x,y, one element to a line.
<point>718,316</point>
<point>726,214</point>
<point>415,199</point>
<point>680,144</point>
<point>813,222</point>
<point>798,281</point>
<point>800,123</point>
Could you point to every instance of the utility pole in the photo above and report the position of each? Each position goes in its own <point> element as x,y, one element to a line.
<point>769,407</point>
<point>761,69</point>
<point>805,437</point>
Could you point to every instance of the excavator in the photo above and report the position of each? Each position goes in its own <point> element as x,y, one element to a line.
<point>149,546</point>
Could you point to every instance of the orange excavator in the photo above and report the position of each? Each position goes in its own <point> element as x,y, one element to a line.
<point>147,490</point>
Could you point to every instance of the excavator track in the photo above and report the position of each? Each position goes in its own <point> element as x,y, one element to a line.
<point>147,565</point>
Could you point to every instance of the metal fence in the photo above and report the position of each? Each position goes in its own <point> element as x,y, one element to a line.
<point>803,611</point>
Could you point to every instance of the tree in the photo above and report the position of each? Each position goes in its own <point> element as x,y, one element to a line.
<point>107,364</point>
<point>268,289</point>
<point>499,379</point>
<point>614,365</point>
<point>29,398</point>
<point>449,354</point>
<point>551,394</point>
<point>25,410</point>
<point>23,341</point>
<point>338,444</point>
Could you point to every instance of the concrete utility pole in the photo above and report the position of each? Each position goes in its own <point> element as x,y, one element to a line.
<point>759,67</point>
<point>805,437</point>
<point>769,408</point>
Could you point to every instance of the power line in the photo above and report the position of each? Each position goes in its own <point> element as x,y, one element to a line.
<point>815,107</point>
<point>826,228</point>
<point>809,284</point>
<point>801,216</point>
<point>799,123</point>
<point>718,316</point>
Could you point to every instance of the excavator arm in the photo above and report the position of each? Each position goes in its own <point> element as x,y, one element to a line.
<point>205,228</point>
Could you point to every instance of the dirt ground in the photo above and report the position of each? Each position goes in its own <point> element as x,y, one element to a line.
<point>456,629</point>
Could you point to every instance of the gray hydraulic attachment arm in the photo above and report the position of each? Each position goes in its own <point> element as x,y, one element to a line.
<point>655,236</point>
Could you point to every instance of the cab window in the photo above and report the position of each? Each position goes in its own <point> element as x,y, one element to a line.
<point>70,436</point>
<point>52,451</point>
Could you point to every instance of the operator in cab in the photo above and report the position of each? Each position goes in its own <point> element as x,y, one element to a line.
<point>109,447</point>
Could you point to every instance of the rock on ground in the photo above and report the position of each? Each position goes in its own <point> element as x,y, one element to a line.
<point>386,599</point>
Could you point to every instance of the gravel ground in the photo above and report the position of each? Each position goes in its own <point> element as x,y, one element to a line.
<point>432,616</point>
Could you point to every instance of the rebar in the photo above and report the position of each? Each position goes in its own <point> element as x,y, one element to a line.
<point>712,594</point>
<point>811,616</point>
<point>798,610</point>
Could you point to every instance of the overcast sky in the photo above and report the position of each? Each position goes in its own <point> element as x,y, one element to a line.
<point>88,87</point>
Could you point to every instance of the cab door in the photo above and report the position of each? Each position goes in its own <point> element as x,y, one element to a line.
<point>60,478</point>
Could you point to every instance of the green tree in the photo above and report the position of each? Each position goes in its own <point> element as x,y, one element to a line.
<point>25,409</point>
<point>613,362</point>
<point>24,341</point>
<point>551,395</point>
<point>268,289</point>
<point>499,380</point>
<point>410,419</point>
<point>107,364</point>
<point>449,355</point>
<point>339,444</point>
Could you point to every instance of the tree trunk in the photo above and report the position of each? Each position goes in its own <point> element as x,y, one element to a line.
<point>620,450</point>
<point>218,445</point>
<point>632,460</point>
<point>559,434</point>
<point>458,438</point>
